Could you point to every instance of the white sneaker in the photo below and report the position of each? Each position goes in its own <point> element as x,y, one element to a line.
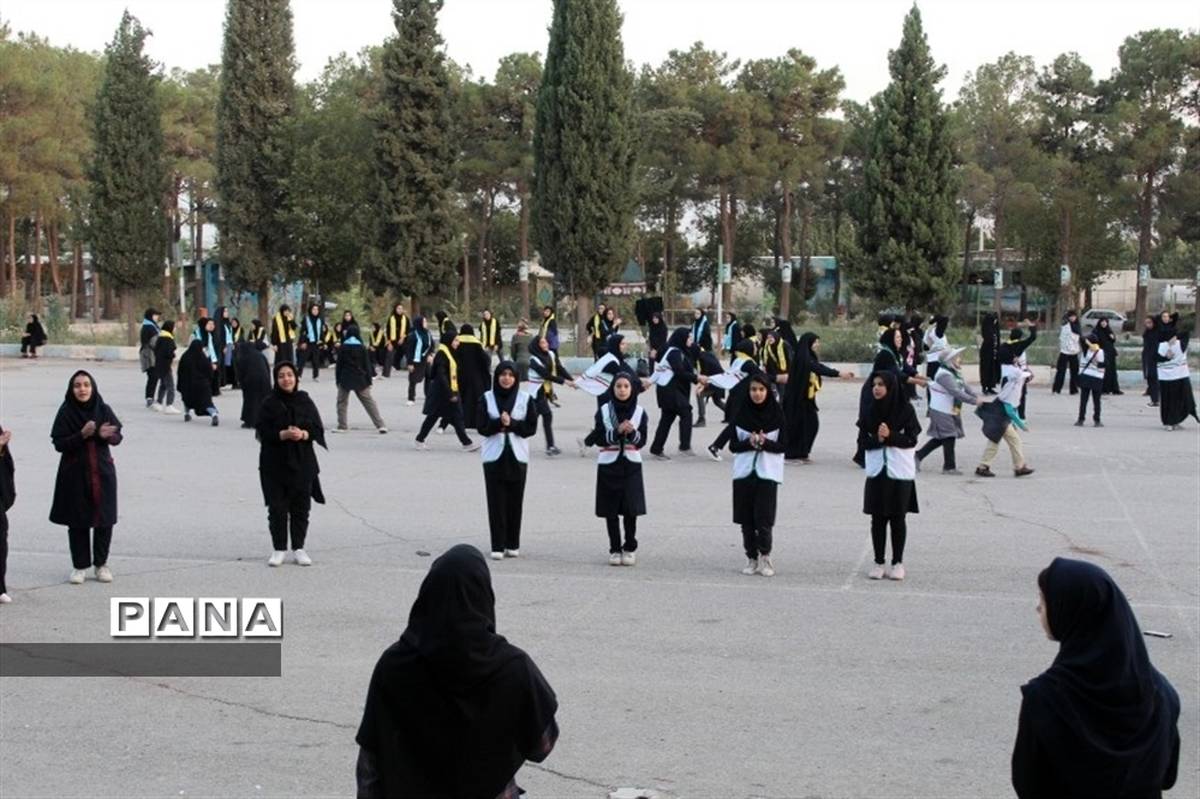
<point>877,572</point>
<point>409,403</point>
<point>497,556</point>
<point>751,566</point>
<point>171,410</point>
<point>77,577</point>
<point>276,558</point>
<point>421,446</point>
<point>104,574</point>
<point>582,447</point>
<point>472,447</point>
<point>614,559</point>
<point>340,430</point>
<point>5,599</point>
<point>765,567</point>
<point>157,407</point>
<point>628,559</point>
<point>302,558</point>
<point>441,431</point>
<point>897,572</point>
<point>512,553</point>
<point>383,431</point>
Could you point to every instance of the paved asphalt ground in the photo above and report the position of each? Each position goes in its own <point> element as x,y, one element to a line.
<point>679,674</point>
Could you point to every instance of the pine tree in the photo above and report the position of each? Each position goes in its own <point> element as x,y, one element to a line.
<point>907,206</point>
<point>584,150</point>
<point>254,142</point>
<point>128,171</point>
<point>414,159</point>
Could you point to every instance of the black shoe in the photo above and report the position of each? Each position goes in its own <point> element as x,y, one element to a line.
<point>984,471</point>
<point>699,423</point>
<point>1079,423</point>
<point>1097,423</point>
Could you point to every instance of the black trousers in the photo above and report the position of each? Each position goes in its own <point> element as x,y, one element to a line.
<point>290,511</point>
<point>1152,382</point>
<point>722,438</point>
<point>505,501</point>
<point>27,346</point>
<point>614,534</point>
<point>1090,387</point>
<point>286,352</point>
<point>1066,362</point>
<point>756,540</point>
<point>3,550</point>
<point>947,445</point>
<point>151,384</point>
<point>1111,386</point>
<point>669,415</point>
<point>454,417</point>
<point>417,375</point>
<point>811,424</point>
<point>879,525</point>
<point>311,354</point>
<point>542,406</point>
<point>88,550</point>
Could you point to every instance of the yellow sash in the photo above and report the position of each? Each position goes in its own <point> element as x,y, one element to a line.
<point>453,364</point>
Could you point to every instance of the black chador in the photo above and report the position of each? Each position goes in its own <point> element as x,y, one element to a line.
<point>255,377</point>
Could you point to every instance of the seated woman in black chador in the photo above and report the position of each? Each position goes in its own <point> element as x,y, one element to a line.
<point>1101,721</point>
<point>453,709</point>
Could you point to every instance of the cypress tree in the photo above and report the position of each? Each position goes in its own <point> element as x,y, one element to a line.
<point>584,151</point>
<point>128,174</point>
<point>414,159</point>
<point>907,206</point>
<point>253,157</point>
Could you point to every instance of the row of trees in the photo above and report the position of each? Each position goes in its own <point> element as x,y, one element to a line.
<point>401,169</point>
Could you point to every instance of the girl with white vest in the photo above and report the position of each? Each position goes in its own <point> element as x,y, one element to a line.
<point>948,392</point>
<point>1176,400</point>
<point>1091,380</point>
<point>887,431</point>
<point>506,416</point>
<point>620,431</point>
<point>759,439</point>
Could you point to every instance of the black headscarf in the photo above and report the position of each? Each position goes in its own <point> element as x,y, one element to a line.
<point>764,417</point>
<point>448,338</point>
<point>612,345</point>
<point>454,709</point>
<point>784,330</point>
<point>1105,714</point>
<point>1074,325</point>
<point>506,399</point>
<point>73,414</point>
<point>745,347</point>
<point>679,338</point>
<point>466,330</point>
<point>890,409</point>
<point>294,407</point>
<point>624,410</point>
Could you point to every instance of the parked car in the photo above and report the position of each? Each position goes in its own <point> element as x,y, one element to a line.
<point>1092,316</point>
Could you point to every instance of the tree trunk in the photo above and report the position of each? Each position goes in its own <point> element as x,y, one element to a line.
<point>805,253</point>
<point>466,279</point>
<point>198,267</point>
<point>837,256</point>
<point>76,268</point>
<point>523,223</point>
<point>128,308</point>
<point>4,264</point>
<point>966,279</point>
<point>95,295</point>
<point>12,249</point>
<point>1064,255</point>
<point>52,242</point>
<point>997,263</point>
<point>583,312</point>
<point>37,261</point>
<point>1145,240</point>
<point>729,229</point>
<point>264,302</point>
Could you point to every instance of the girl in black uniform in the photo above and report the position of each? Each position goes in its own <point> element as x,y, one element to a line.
<point>620,429</point>
<point>506,417</point>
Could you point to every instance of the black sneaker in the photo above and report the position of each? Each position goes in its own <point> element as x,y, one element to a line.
<point>714,453</point>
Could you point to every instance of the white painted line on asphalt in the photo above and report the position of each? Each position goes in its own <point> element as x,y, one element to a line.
<point>1141,539</point>
<point>862,561</point>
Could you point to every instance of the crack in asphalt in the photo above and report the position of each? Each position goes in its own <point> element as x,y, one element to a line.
<point>244,706</point>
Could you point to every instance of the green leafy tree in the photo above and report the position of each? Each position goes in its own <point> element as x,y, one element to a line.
<point>254,143</point>
<point>330,183</point>
<point>998,112</point>
<point>128,173</point>
<point>414,249</point>
<point>1145,103</point>
<point>584,151</point>
<point>906,214</point>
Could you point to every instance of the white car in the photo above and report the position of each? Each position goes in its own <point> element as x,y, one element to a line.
<point>1092,317</point>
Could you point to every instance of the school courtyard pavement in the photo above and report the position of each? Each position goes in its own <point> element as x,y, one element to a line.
<point>679,675</point>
